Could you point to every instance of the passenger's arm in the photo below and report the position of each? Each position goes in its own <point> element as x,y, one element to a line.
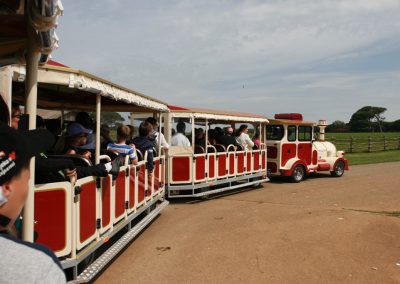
<point>249,141</point>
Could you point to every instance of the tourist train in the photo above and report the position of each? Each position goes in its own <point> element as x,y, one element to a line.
<point>87,222</point>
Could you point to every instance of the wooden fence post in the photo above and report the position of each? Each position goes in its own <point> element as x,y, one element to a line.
<point>369,144</point>
<point>384,143</point>
<point>398,146</point>
<point>351,144</point>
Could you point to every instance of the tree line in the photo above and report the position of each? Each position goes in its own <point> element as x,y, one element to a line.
<point>366,119</point>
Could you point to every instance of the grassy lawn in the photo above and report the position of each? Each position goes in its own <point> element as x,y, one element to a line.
<point>373,158</point>
<point>362,135</point>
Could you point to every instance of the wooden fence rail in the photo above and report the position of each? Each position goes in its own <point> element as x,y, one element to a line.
<point>352,145</point>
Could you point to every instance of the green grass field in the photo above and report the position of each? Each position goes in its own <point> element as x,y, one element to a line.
<point>362,135</point>
<point>373,158</point>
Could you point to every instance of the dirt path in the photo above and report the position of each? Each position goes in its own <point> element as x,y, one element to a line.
<point>318,231</point>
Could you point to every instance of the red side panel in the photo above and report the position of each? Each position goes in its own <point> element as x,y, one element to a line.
<point>272,152</point>
<point>149,186</point>
<point>314,157</point>
<point>156,175</point>
<point>211,166</point>
<point>221,165</point>
<point>200,168</point>
<point>50,218</point>
<point>263,160</point>
<point>324,167</point>
<point>240,163</point>
<point>272,167</point>
<point>106,201</point>
<point>248,162</point>
<point>181,168</point>
<point>304,152</point>
<point>231,164</point>
<point>132,183</point>
<point>141,185</point>
<point>120,194</point>
<point>163,173</point>
<point>87,207</point>
<point>288,152</point>
<point>256,161</point>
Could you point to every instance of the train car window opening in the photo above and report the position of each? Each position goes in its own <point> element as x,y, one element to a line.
<point>274,132</point>
<point>291,133</point>
<point>305,133</point>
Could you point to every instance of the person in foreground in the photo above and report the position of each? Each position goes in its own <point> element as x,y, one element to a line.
<point>21,262</point>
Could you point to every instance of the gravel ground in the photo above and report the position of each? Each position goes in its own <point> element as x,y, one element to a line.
<point>323,230</point>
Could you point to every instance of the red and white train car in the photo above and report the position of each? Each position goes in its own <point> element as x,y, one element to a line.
<point>197,171</point>
<point>78,219</point>
<point>294,152</point>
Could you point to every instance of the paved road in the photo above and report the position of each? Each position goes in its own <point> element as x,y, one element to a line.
<point>322,230</point>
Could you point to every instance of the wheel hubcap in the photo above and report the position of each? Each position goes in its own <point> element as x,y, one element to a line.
<point>298,173</point>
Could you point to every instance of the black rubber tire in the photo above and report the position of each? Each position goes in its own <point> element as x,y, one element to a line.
<point>338,171</point>
<point>298,174</point>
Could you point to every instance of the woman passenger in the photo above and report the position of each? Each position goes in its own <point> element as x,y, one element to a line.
<point>243,138</point>
<point>76,137</point>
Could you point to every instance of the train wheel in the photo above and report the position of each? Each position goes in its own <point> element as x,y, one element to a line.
<point>338,171</point>
<point>297,174</point>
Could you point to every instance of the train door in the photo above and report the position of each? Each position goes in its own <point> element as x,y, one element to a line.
<point>304,147</point>
<point>275,134</point>
<point>289,148</point>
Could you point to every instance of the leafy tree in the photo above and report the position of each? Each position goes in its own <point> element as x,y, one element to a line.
<point>337,126</point>
<point>112,119</point>
<point>365,118</point>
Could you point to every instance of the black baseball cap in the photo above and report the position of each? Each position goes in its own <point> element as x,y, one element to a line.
<point>17,147</point>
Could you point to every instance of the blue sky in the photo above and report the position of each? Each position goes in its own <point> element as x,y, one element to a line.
<point>322,58</point>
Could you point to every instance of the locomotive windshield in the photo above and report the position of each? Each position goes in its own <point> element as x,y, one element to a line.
<point>275,132</point>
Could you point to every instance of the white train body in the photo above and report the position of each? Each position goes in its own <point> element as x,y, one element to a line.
<point>293,150</point>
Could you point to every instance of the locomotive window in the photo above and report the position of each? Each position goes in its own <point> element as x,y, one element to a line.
<point>305,133</point>
<point>274,132</point>
<point>291,133</point>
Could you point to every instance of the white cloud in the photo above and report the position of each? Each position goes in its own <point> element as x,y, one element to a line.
<point>202,52</point>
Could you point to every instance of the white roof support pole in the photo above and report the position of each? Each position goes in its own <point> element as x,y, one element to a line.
<point>159,135</point>
<point>32,63</point>
<point>98,112</point>
<point>6,86</point>
<point>192,121</point>
<point>206,142</point>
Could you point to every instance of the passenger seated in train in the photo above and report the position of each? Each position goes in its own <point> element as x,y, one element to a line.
<point>179,139</point>
<point>155,134</point>
<point>256,140</point>
<point>227,139</point>
<point>212,137</point>
<point>76,137</point>
<point>243,138</point>
<point>121,148</point>
<point>15,115</point>
<point>105,138</point>
<point>144,144</point>
<point>131,133</point>
<point>48,169</point>
<point>200,138</point>
<point>86,121</point>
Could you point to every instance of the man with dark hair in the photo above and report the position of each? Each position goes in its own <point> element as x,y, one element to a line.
<point>227,139</point>
<point>21,262</point>
<point>179,139</point>
<point>144,144</point>
<point>158,140</point>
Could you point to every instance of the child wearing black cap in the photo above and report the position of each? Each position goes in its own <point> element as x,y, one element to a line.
<point>21,262</point>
